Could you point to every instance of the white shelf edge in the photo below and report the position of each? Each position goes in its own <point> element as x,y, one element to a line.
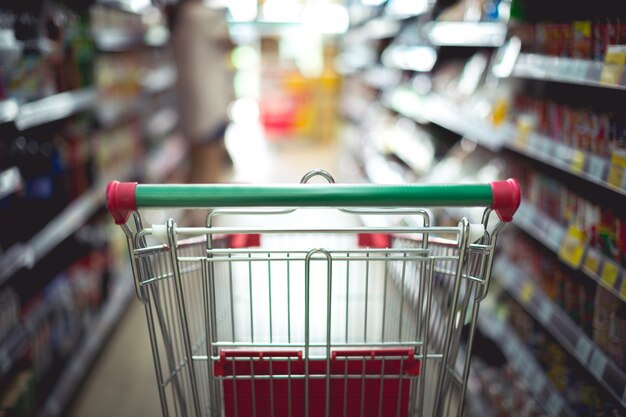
<point>563,70</point>
<point>55,107</point>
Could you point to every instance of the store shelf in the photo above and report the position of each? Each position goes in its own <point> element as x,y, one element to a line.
<point>466,34</point>
<point>524,363</point>
<point>55,107</point>
<point>162,122</point>
<point>12,347</point>
<point>84,355</point>
<point>159,80</point>
<point>27,254</point>
<point>572,161</point>
<point>445,113</point>
<point>8,111</point>
<point>10,182</point>
<point>373,29</point>
<point>381,78</point>
<point>567,70</point>
<point>593,264</point>
<point>562,328</point>
<point>118,40</point>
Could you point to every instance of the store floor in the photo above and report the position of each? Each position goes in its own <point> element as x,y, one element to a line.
<point>122,380</point>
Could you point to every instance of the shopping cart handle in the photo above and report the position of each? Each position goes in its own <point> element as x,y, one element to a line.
<point>125,197</point>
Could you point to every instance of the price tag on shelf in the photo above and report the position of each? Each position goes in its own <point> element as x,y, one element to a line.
<point>563,153</point>
<point>525,126</point>
<point>578,161</point>
<point>545,312</point>
<point>526,292</point>
<point>597,167</point>
<point>614,61</point>
<point>546,147</point>
<point>591,264</point>
<point>623,287</point>
<point>617,169</point>
<point>609,274</point>
<point>598,364</point>
<point>583,349</point>
<point>573,246</point>
<point>534,143</point>
<point>555,405</point>
<point>538,382</point>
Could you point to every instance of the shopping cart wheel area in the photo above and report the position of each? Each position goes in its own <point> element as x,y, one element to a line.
<point>303,308</point>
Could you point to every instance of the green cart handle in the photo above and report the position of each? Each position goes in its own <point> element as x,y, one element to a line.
<point>124,197</point>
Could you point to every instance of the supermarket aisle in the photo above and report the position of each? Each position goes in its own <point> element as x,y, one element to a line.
<point>122,380</point>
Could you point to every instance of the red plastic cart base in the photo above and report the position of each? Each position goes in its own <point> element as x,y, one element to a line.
<point>243,396</point>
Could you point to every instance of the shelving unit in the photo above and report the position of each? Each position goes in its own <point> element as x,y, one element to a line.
<point>34,121</point>
<point>466,34</point>
<point>593,264</point>
<point>56,107</point>
<point>449,100</point>
<point>25,255</point>
<point>564,70</point>
<point>10,182</point>
<point>562,328</point>
<point>518,356</point>
<point>90,346</point>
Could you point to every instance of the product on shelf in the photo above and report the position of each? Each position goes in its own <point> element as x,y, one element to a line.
<point>603,227</point>
<point>56,314</point>
<point>609,326</point>
<point>56,167</point>
<point>568,377</point>
<point>574,30</point>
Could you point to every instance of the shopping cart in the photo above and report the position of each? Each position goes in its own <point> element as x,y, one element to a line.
<point>327,318</point>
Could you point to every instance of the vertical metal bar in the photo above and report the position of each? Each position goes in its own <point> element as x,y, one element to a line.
<point>367,282</point>
<point>235,402</point>
<point>307,281</point>
<point>329,284</point>
<point>385,284</point>
<point>271,388</point>
<point>155,356</point>
<point>250,294</point>
<point>380,391</point>
<point>347,293</point>
<point>253,387</point>
<point>289,313</point>
<point>401,374</point>
<point>402,299</point>
<point>448,334</point>
<point>269,289</point>
<point>183,312</point>
<point>208,298</point>
<point>345,388</point>
<point>232,297</point>
<point>426,327</point>
<point>289,385</point>
<point>363,387</point>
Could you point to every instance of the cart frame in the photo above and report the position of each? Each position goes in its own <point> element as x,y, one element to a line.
<point>207,358</point>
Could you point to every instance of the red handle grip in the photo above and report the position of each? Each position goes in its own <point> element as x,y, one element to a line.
<point>506,198</point>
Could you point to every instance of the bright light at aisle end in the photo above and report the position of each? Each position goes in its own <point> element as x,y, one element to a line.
<point>326,18</point>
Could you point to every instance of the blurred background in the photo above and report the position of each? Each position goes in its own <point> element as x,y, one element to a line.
<point>381,91</point>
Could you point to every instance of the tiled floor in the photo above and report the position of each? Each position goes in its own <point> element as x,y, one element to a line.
<point>122,381</point>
